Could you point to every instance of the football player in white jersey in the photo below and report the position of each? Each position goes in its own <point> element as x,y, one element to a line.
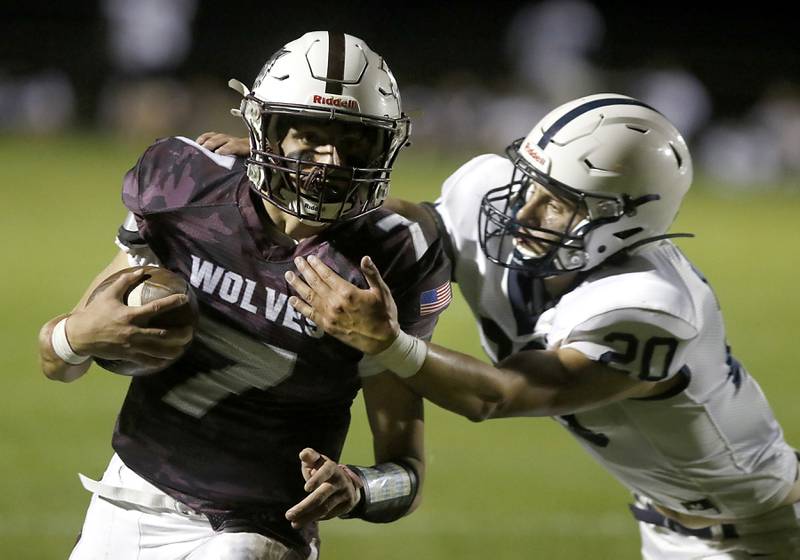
<point>592,315</point>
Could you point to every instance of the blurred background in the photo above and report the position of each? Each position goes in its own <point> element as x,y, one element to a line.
<point>471,77</point>
<point>86,86</point>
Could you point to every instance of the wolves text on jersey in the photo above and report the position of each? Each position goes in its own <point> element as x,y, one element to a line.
<point>237,290</point>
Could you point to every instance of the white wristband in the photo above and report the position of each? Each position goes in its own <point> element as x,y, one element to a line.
<point>405,356</point>
<point>62,347</point>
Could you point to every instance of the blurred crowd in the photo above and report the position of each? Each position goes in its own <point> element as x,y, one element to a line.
<point>551,49</point>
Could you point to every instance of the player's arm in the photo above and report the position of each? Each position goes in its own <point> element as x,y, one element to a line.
<point>107,328</point>
<point>379,493</point>
<point>53,366</point>
<point>531,383</point>
<point>396,418</point>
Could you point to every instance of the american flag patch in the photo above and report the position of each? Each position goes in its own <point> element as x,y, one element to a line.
<point>435,300</point>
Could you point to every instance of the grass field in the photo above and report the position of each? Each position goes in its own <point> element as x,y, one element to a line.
<point>506,490</point>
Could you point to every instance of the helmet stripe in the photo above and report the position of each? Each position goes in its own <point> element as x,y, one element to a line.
<point>335,74</point>
<point>585,108</point>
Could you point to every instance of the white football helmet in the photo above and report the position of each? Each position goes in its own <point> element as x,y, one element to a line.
<point>329,76</point>
<point>621,163</point>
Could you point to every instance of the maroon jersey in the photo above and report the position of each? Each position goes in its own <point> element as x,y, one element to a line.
<point>222,428</point>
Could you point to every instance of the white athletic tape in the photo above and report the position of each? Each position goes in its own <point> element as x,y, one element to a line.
<point>61,345</point>
<point>405,356</point>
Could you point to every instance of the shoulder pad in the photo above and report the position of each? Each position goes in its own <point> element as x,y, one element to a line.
<point>462,192</point>
<point>636,322</point>
<point>394,225</point>
<point>175,172</point>
<point>643,290</point>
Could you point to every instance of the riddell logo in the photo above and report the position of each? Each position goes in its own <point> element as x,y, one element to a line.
<point>342,102</point>
<point>536,156</point>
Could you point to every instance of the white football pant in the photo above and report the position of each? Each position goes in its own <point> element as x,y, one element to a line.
<point>157,527</point>
<point>773,536</point>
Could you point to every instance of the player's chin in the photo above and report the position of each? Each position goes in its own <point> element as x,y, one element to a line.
<point>529,248</point>
<point>328,192</point>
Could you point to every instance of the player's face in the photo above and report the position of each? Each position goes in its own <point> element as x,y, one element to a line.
<point>333,143</point>
<point>545,210</point>
<point>329,142</point>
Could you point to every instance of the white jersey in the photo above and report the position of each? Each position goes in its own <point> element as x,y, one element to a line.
<point>711,446</point>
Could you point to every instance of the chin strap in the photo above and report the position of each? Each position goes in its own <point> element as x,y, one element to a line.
<point>656,238</point>
<point>242,89</point>
<point>629,204</point>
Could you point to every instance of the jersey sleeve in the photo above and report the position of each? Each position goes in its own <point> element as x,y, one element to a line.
<point>130,190</point>
<point>131,242</point>
<point>135,185</point>
<point>129,235</point>
<point>458,207</point>
<point>646,345</point>
<point>145,189</point>
<point>459,202</point>
<point>141,181</point>
<point>172,173</point>
<point>422,291</point>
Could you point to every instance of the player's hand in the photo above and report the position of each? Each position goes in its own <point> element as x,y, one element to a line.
<point>364,319</point>
<point>224,144</point>
<point>332,491</point>
<point>107,328</point>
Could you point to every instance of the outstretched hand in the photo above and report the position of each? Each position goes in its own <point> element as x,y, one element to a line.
<point>224,144</point>
<point>364,319</point>
<point>333,491</point>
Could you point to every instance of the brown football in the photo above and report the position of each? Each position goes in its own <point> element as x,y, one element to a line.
<point>155,283</point>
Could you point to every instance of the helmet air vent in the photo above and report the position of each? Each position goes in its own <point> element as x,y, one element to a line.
<point>627,233</point>
<point>592,167</point>
<point>677,155</point>
<point>637,129</point>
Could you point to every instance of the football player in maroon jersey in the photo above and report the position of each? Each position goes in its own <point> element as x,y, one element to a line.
<point>207,450</point>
